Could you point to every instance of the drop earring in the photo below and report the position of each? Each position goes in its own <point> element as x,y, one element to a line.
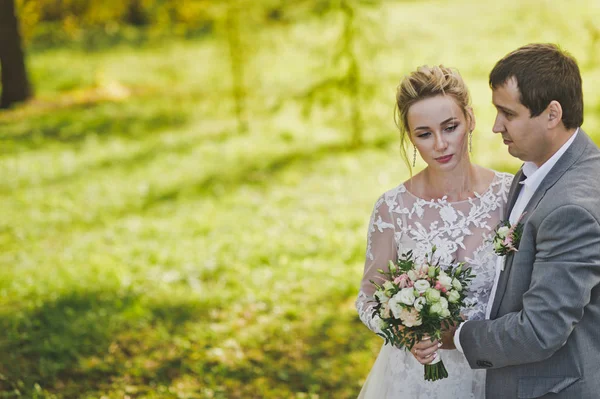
<point>414,155</point>
<point>471,141</point>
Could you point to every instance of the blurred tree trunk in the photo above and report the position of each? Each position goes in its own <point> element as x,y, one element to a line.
<point>353,72</point>
<point>15,84</point>
<point>236,62</point>
<point>346,86</point>
<point>135,13</point>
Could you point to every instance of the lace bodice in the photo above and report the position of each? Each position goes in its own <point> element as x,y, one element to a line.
<point>460,231</point>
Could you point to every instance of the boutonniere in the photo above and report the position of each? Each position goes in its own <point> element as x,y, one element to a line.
<point>507,237</point>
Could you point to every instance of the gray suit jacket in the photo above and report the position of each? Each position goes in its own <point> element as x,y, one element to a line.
<point>544,337</point>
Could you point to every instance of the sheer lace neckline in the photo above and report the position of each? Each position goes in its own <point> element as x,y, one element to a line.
<point>444,198</point>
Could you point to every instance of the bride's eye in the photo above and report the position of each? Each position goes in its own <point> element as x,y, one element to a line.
<point>423,135</point>
<point>451,128</point>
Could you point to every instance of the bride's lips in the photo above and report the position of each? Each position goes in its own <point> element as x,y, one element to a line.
<point>445,158</point>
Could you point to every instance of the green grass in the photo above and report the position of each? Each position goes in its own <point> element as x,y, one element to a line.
<point>150,251</point>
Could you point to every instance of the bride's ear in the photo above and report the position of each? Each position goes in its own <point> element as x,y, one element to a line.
<point>470,118</point>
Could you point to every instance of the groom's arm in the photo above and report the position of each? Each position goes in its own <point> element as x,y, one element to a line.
<point>566,269</point>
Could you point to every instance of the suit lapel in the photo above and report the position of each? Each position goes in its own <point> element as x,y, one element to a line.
<point>567,160</point>
<point>513,193</point>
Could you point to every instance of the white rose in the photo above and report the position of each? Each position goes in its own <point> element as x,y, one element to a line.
<point>406,296</point>
<point>412,275</point>
<point>432,295</point>
<point>445,280</point>
<point>421,286</point>
<point>444,303</point>
<point>502,231</point>
<point>445,313</point>
<point>382,296</point>
<point>436,308</point>
<point>453,296</point>
<point>419,303</point>
<point>394,306</point>
<point>457,285</point>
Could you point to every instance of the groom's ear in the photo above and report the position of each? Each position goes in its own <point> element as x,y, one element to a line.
<point>554,111</point>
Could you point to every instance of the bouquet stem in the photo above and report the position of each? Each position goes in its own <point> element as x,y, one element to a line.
<point>435,370</point>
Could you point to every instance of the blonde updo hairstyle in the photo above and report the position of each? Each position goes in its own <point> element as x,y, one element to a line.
<point>424,83</point>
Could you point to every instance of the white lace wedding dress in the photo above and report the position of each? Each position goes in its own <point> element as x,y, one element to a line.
<point>461,231</point>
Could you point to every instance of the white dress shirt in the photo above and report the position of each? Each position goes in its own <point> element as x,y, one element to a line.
<point>534,175</point>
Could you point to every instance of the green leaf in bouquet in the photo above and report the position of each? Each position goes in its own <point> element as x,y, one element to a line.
<point>379,287</point>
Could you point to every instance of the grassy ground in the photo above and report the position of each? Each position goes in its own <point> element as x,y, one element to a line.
<point>150,251</point>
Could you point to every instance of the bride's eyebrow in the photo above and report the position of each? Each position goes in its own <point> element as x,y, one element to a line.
<point>451,119</point>
<point>422,128</point>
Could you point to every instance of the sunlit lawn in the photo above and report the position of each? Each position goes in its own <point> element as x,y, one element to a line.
<point>150,251</point>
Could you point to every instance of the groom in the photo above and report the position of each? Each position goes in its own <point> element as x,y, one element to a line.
<point>543,336</point>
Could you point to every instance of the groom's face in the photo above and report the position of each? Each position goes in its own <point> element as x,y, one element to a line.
<point>527,138</point>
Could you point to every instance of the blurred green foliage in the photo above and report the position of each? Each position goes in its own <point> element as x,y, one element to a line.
<point>150,250</point>
<point>55,22</point>
<point>96,24</point>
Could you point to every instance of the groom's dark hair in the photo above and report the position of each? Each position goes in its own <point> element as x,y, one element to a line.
<point>544,73</point>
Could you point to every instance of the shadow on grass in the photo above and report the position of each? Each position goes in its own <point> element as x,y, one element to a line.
<point>90,344</point>
<point>328,356</point>
<point>82,340</point>
<point>319,347</point>
<point>134,119</point>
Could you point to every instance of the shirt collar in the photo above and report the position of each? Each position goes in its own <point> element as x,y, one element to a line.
<point>535,175</point>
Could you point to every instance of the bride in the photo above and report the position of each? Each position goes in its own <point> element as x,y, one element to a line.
<point>453,205</point>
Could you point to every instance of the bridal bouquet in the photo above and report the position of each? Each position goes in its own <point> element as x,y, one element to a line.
<point>415,300</point>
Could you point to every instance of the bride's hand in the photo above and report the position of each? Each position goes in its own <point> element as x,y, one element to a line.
<point>425,351</point>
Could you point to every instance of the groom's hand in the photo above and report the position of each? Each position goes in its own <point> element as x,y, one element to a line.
<point>448,337</point>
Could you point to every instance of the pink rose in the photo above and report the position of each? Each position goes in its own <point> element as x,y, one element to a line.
<point>402,281</point>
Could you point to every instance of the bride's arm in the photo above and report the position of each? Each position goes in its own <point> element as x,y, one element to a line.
<point>381,248</point>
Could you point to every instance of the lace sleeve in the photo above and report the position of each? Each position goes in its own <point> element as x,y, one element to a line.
<point>381,248</point>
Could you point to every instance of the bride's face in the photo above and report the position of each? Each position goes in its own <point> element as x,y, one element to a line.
<point>439,129</point>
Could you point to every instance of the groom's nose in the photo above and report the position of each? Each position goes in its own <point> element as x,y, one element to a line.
<point>498,125</point>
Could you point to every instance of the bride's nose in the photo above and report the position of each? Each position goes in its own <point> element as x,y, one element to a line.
<point>440,143</point>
